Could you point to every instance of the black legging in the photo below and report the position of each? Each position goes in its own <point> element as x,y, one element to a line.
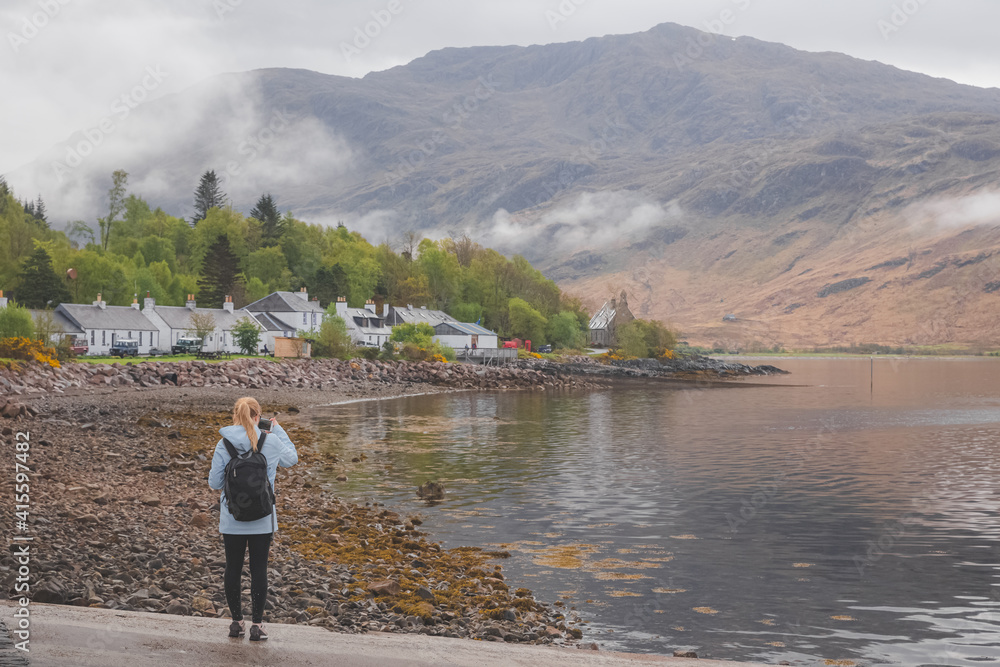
<point>236,548</point>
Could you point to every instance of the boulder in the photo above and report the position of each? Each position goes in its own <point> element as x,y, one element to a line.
<point>386,587</point>
<point>431,491</point>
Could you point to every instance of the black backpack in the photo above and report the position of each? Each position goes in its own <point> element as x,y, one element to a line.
<point>248,490</point>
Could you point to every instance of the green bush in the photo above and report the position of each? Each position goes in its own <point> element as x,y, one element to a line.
<point>16,322</point>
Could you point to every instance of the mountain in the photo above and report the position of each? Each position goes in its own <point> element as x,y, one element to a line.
<point>819,198</point>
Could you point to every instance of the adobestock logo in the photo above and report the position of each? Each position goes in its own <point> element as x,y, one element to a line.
<point>363,37</point>
<point>121,108</point>
<point>32,25</point>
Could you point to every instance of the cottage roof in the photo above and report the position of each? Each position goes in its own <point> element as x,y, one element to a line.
<point>60,323</point>
<point>179,317</point>
<point>284,302</point>
<point>269,323</point>
<point>365,321</point>
<point>462,328</point>
<point>417,315</point>
<point>110,317</point>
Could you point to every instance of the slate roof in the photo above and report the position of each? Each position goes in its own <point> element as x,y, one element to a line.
<point>60,322</point>
<point>269,323</point>
<point>284,302</point>
<point>112,317</point>
<point>418,315</point>
<point>468,328</point>
<point>370,323</point>
<point>179,317</point>
<point>603,317</point>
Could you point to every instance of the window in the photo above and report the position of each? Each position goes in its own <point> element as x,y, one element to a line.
<point>140,338</point>
<point>304,318</point>
<point>104,337</point>
<point>92,332</point>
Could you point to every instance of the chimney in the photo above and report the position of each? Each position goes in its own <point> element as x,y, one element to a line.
<point>341,305</point>
<point>100,303</point>
<point>228,304</point>
<point>423,307</point>
<point>304,293</point>
<point>135,301</point>
<point>149,303</point>
<point>370,306</point>
<point>409,306</point>
<point>190,302</point>
<point>385,310</point>
<point>3,300</point>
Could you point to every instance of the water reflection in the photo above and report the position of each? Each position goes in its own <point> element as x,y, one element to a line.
<point>830,521</point>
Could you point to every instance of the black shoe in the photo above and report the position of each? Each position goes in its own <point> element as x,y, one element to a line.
<point>237,629</point>
<point>257,633</point>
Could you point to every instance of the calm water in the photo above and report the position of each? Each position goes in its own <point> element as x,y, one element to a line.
<point>826,521</point>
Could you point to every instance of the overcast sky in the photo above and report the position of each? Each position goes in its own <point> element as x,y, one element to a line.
<point>66,62</point>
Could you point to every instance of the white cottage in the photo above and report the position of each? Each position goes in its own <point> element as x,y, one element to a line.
<point>459,335</point>
<point>174,322</point>
<point>282,314</point>
<point>103,325</point>
<point>364,324</point>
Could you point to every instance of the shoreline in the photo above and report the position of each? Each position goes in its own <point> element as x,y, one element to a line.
<point>125,520</point>
<point>135,527</point>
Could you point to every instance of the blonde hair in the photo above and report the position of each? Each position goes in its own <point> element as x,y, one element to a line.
<point>243,415</point>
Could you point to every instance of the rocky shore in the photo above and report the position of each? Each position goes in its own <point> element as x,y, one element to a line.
<point>122,518</point>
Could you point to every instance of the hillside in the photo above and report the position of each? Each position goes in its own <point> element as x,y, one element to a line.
<point>747,179</point>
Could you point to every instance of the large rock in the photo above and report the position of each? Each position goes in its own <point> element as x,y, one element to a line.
<point>387,587</point>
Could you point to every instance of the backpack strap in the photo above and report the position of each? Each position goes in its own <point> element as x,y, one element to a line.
<point>260,440</point>
<point>229,448</point>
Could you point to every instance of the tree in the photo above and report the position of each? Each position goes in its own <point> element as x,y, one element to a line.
<point>267,212</point>
<point>333,339</point>
<point>330,283</point>
<point>247,335</point>
<point>466,312</point>
<point>208,195</point>
<point>419,334</point>
<point>16,322</point>
<point>564,331</point>
<point>219,275</point>
<point>39,282</point>
<point>525,321</point>
<point>45,327</point>
<point>40,213</point>
<point>78,232</point>
<point>116,205</point>
<point>202,324</point>
<point>645,338</point>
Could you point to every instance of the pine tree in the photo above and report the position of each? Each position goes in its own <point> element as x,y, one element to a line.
<point>29,208</point>
<point>208,195</point>
<point>40,214</point>
<point>267,212</point>
<point>40,283</point>
<point>219,274</point>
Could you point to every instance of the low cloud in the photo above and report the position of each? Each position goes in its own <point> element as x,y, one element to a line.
<point>587,220</point>
<point>954,212</point>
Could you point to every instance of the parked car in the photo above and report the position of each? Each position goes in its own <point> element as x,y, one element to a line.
<point>79,346</point>
<point>544,349</point>
<point>125,348</point>
<point>186,346</point>
<point>156,352</point>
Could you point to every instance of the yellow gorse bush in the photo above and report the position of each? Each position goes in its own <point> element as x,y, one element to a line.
<point>26,349</point>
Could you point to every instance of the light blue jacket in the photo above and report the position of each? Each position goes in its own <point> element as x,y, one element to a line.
<point>278,450</point>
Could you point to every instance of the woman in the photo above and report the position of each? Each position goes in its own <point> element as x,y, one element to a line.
<point>239,536</point>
